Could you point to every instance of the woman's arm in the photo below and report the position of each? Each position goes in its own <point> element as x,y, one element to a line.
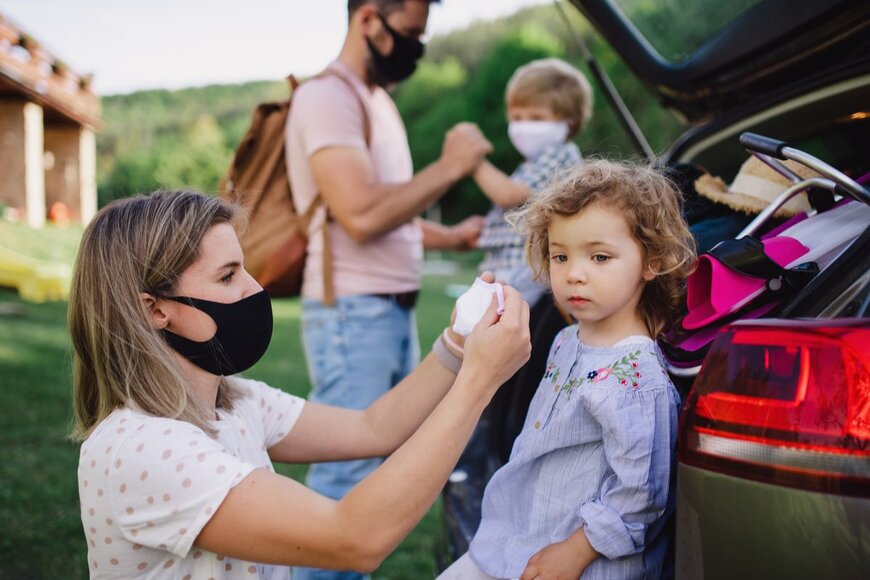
<point>324,433</point>
<point>269,518</point>
<point>499,187</point>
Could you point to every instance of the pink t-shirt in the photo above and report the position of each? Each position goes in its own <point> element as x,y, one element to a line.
<point>325,114</point>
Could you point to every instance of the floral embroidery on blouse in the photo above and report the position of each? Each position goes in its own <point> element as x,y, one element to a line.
<point>552,374</point>
<point>549,373</point>
<point>624,369</point>
<point>569,386</point>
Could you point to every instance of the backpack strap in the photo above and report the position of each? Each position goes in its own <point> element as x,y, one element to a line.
<point>367,128</point>
<point>328,282</point>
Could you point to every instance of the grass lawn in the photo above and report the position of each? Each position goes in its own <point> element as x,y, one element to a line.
<point>49,243</point>
<point>41,531</point>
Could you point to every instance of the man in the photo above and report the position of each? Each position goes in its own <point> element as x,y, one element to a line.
<point>346,142</point>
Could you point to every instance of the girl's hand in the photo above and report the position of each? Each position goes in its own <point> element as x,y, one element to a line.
<point>555,562</point>
<point>561,561</point>
<point>499,346</point>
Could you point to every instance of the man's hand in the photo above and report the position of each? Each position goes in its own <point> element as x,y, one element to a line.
<point>464,149</point>
<point>561,561</point>
<point>466,233</point>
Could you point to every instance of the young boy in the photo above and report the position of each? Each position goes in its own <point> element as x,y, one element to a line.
<point>549,102</point>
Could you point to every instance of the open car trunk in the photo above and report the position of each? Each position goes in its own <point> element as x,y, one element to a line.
<point>704,58</point>
<point>794,70</point>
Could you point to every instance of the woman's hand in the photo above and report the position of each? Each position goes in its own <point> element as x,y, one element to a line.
<point>457,338</point>
<point>499,346</point>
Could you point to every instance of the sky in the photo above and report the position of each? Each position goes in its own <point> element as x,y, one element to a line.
<point>142,44</point>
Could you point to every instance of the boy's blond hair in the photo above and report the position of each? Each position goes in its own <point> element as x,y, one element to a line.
<point>552,83</point>
<point>652,208</point>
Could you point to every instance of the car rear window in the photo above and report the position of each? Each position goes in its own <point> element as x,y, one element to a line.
<point>676,28</point>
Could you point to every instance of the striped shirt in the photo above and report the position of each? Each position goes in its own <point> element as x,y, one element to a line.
<point>504,247</point>
<point>596,452</point>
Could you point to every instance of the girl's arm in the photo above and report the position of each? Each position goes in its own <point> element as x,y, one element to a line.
<point>639,437</point>
<point>272,519</point>
<point>499,187</point>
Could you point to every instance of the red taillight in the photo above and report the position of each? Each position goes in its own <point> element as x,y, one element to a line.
<point>785,402</point>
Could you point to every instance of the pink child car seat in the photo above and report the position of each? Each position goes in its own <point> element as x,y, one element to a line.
<point>748,278</point>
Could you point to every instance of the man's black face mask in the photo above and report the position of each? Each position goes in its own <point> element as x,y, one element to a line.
<point>400,63</point>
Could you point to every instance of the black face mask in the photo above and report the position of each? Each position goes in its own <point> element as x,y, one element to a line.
<point>400,63</point>
<point>244,330</point>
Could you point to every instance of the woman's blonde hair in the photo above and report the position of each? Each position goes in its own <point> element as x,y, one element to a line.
<point>140,244</point>
<point>552,83</point>
<point>652,208</point>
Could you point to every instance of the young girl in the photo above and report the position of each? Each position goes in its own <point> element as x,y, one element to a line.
<point>175,472</point>
<point>588,485</point>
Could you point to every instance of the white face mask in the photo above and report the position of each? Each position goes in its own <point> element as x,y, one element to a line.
<point>473,304</point>
<point>532,137</point>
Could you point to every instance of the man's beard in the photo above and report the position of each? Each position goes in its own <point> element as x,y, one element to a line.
<point>375,76</point>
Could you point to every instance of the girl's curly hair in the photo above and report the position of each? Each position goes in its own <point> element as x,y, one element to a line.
<point>652,207</point>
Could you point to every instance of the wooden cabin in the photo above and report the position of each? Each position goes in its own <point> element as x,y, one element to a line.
<point>48,119</point>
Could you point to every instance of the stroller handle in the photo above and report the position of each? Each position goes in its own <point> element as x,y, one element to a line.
<point>762,144</point>
<point>781,200</point>
<point>769,150</point>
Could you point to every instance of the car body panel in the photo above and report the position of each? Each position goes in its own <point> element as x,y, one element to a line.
<point>730,527</point>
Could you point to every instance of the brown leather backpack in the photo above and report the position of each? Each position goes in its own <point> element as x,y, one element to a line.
<point>274,237</point>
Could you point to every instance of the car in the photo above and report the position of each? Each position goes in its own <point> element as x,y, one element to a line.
<point>773,462</point>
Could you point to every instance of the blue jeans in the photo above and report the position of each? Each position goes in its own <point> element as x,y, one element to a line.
<point>356,351</point>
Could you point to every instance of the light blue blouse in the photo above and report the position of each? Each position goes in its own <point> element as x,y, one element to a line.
<point>596,451</point>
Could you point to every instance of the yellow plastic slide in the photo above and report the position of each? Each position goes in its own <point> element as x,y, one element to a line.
<point>35,280</point>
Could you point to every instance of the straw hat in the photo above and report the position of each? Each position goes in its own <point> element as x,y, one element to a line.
<point>755,186</point>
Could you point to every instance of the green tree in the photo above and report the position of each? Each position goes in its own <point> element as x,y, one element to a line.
<point>199,160</point>
<point>174,138</point>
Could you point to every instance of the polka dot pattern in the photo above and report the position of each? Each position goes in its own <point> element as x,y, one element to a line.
<point>148,485</point>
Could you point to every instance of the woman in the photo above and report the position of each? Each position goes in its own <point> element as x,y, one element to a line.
<point>175,474</point>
